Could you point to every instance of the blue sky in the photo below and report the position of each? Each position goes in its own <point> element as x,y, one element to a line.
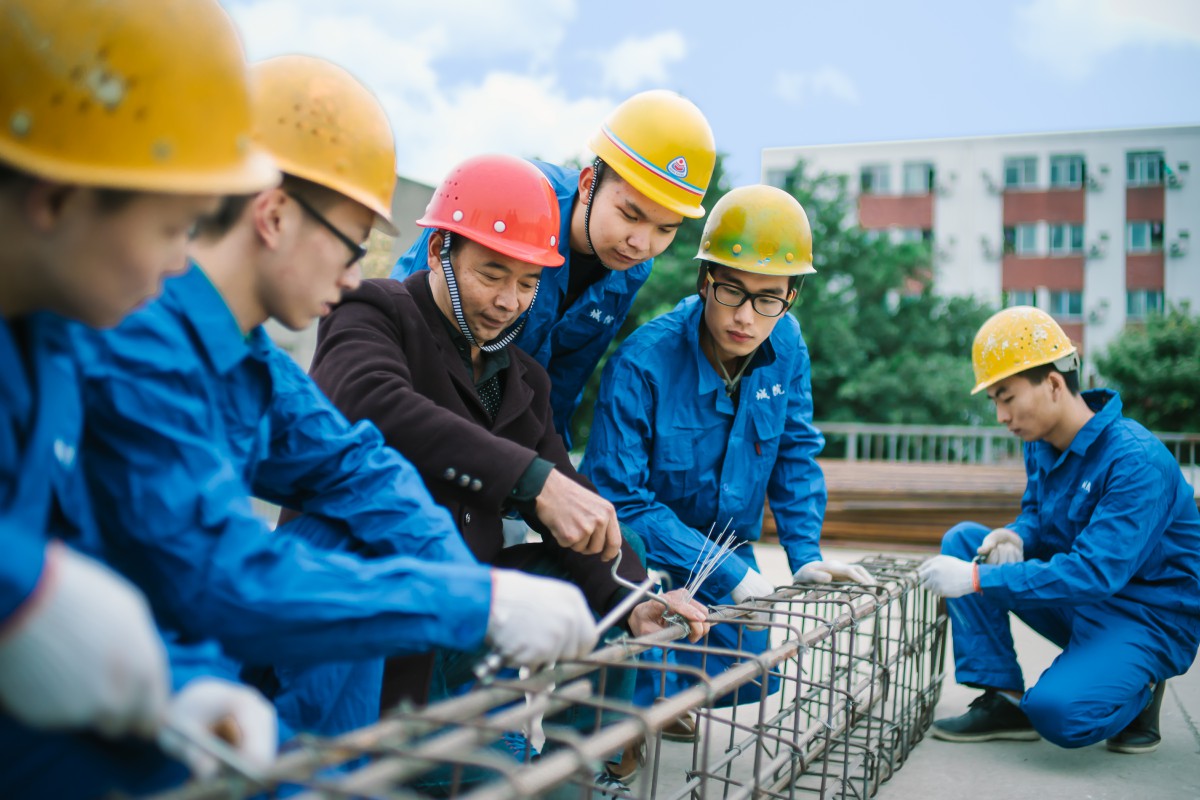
<point>534,77</point>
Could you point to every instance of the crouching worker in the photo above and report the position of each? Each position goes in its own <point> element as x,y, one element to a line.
<point>1103,560</point>
<point>706,411</point>
<point>430,361</point>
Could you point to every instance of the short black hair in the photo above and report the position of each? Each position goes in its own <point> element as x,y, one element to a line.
<point>232,207</point>
<point>1036,375</point>
<point>708,266</point>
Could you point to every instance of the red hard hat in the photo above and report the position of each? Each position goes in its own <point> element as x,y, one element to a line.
<point>503,203</point>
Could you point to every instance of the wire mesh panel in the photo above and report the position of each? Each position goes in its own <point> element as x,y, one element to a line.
<point>843,690</point>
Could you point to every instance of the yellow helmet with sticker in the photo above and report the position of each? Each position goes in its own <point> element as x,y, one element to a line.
<point>1017,339</point>
<point>662,145</point>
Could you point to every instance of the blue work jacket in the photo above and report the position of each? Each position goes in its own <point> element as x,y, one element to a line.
<point>1109,516</point>
<point>187,419</point>
<point>43,497</point>
<point>672,453</point>
<point>571,344</point>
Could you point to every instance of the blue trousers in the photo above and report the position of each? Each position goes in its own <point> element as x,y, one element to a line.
<point>1111,652</point>
<point>64,766</point>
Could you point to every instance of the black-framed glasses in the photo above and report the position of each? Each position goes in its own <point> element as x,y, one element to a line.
<point>732,295</point>
<point>357,251</point>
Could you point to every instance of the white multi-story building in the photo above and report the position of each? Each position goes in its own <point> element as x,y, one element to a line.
<point>1093,226</point>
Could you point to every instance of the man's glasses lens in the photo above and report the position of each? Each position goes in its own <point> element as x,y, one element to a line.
<point>729,295</point>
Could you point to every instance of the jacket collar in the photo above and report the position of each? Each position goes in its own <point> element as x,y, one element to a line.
<point>517,395</point>
<point>1107,407</point>
<point>709,380</point>
<point>193,296</point>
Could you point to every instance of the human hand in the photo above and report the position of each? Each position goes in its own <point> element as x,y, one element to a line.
<point>578,518</point>
<point>751,586</point>
<point>85,653</point>
<point>648,617</point>
<point>829,571</point>
<point>537,620</point>
<point>1002,546</point>
<point>949,576</point>
<point>235,713</point>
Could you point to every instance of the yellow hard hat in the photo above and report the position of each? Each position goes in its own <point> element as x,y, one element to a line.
<point>1017,339</point>
<point>758,229</point>
<point>322,125</point>
<point>662,145</point>
<point>146,95</point>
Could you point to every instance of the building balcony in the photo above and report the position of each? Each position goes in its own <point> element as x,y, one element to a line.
<point>1049,205</point>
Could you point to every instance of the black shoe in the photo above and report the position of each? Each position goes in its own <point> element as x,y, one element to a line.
<point>990,716</point>
<point>1141,735</point>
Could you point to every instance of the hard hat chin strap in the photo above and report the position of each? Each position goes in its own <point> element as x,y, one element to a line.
<point>597,168</point>
<point>504,339</point>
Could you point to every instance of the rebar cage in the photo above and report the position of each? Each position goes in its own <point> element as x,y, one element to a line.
<point>859,670</point>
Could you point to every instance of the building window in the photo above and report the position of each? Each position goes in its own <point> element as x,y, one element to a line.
<point>918,178</point>
<point>1020,173</point>
<point>1066,239</point>
<point>876,179</point>
<point>1140,303</point>
<point>778,177</point>
<point>1068,305</point>
<point>1143,236</point>
<point>912,235</point>
<point>1020,297</point>
<point>1066,172</point>
<point>1021,239</point>
<point>1144,169</point>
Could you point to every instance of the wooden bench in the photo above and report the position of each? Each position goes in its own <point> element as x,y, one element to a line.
<point>887,503</point>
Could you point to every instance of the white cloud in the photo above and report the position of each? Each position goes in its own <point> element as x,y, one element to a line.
<point>800,87</point>
<point>394,46</point>
<point>641,60</point>
<point>1071,36</point>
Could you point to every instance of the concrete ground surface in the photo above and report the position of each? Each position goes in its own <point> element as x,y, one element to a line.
<point>1040,770</point>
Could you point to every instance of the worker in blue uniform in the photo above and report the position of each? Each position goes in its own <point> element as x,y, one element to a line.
<point>706,411</point>
<point>654,159</point>
<point>91,222</point>
<point>192,411</point>
<point>1103,560</point>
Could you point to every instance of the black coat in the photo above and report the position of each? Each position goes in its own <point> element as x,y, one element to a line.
<point>384,355</point>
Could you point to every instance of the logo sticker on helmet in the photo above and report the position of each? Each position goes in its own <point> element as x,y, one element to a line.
<point>678,167</point>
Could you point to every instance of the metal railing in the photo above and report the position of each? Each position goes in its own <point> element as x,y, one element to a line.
<point>955,444</point>
<point>860,670</point>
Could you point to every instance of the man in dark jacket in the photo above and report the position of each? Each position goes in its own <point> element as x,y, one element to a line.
<point>428,361</point>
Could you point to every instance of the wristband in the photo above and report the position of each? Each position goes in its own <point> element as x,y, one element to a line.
<point>975,577</point>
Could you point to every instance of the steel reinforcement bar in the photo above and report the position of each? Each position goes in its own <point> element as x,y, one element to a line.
<point>852,675</point>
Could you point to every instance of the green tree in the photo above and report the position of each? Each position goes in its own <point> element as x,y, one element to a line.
<point>1156,367</point>
<point>884,347</point>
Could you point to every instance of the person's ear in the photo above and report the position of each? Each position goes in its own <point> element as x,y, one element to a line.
<point>585,182</point>
<point>267,208</point>
<point>433,254</point>
<point>45,203</point>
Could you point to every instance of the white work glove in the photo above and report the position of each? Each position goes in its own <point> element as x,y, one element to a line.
<point>237,714</point>
<point>1002,546</point>
<point>87,653</point>
<point>828,571</point>
<point>537,621</point>
<point>948,576</point>
<point>751,586</point>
